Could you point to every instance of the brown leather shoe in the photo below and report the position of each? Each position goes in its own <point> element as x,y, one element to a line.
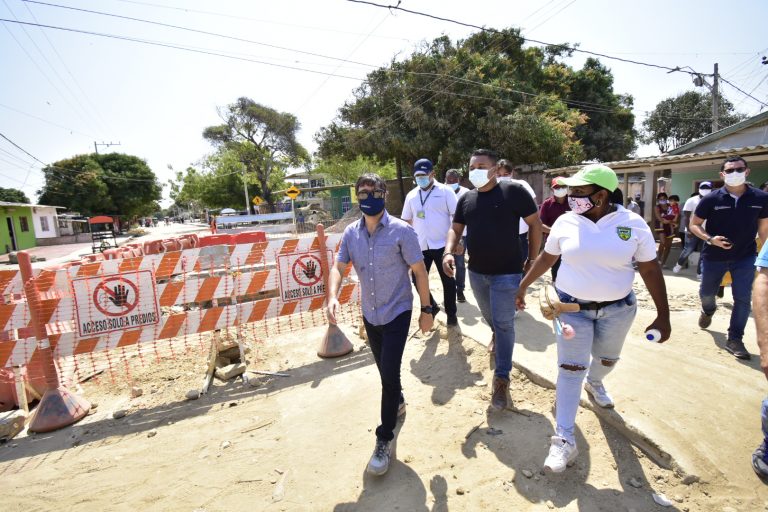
<point>500,399</point>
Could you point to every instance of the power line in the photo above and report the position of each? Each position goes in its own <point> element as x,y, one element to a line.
<point>583,106</point>
<point>528,39</point>
<point>239,17</point>
<point>59,78</point>
<point>744,92</point>
<point>176,47</point>
<point>555,14</point>
<point>100,119</point>
<point>68,170</point>
<point>194,30</point>
<point>71,130</point>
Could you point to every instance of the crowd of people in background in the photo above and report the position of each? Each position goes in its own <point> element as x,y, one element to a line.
<point>496,237</point>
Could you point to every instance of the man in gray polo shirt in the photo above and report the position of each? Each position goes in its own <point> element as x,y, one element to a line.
<point>382,249</point>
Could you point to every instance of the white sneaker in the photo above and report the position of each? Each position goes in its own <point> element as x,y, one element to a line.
<point>677,268</point>
<point>598,393</point>
<point>562,454</point>
<point>379,463</point>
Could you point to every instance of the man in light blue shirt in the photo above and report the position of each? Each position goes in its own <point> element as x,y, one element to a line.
<point>760,311</point>
<point>383,249</point>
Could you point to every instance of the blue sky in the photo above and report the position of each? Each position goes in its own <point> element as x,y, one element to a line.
<point>61,91</point>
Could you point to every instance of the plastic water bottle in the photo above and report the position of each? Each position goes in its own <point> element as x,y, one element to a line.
<point>653,335</point>
<point>565,330</point>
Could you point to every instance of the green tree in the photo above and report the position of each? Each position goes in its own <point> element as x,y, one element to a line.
<point>340,171</point>
<point>262,139</point>
<point>13,195</point>
<point>678,120</point>
<point>113,184</point>
<point>609,133</point>
<point>447,99</point>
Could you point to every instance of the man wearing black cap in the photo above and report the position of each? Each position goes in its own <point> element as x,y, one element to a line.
<point>429,208</point>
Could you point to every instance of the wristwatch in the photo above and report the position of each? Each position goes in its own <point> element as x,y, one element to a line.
<point>708,241</point>
<point>427,309</point>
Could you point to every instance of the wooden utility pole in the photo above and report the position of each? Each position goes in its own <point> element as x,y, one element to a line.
<point>715,110</point>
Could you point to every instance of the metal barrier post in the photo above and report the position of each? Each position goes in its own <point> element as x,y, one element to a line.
<point>335,343</point>
<point>58,406</point>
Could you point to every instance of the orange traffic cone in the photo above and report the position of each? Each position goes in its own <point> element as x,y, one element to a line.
<point>335,343</point>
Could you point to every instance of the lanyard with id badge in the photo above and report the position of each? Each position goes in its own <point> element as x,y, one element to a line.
<point>421,213</point>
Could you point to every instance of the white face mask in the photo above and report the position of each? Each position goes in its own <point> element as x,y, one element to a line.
<point>504,179</point>
<point>560,192</point>
<point>735,179</point>
<point>704,191</point>
<point>479,177</point>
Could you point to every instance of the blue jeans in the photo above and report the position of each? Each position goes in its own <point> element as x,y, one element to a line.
<point>591,353</point>
<point>387,344</point>
<point>743,274</point>
<point>764,414</point>
<point>495,295</point>
<point>692,243</point>
<point>461,269</point>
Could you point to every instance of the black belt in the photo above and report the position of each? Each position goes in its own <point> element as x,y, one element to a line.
<point>594,306</point>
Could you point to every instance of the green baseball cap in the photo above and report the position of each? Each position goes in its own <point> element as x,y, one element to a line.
<point>593,174</point>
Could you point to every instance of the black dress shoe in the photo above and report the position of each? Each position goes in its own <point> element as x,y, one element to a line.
<point>460,296</point>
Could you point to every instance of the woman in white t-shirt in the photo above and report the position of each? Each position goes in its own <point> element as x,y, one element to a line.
<point>597,241</point>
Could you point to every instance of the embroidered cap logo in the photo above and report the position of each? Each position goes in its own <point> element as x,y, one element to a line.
<point>624,233</point>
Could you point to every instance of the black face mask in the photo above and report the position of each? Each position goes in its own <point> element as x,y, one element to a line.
<point>371,205</point>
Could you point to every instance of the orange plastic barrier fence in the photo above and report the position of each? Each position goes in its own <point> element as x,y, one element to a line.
<point>100,313</point>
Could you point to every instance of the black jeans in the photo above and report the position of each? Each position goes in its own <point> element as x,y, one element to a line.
<point>449,283</point>
<point>387,344</point>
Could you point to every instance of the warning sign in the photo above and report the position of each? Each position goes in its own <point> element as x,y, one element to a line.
<point>115,302</point>
<point>301,275</point>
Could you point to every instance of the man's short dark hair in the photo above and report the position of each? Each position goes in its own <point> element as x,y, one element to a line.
<point>674,197</point>
<point>735,158</point>
<point>491,154</point>
<point>506,164</point>
<point>453,172</point>
<point>371,178</point>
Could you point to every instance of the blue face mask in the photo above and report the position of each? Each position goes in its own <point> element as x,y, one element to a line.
<point>422,181</point>
<point>371,205</point>
<point>454,186</point>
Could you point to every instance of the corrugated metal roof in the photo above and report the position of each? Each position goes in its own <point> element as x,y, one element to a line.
<point>723,132</point>
<point>6,203</point>
<point>662,159</point>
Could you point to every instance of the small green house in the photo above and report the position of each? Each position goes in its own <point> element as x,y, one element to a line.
<point>16,227</point>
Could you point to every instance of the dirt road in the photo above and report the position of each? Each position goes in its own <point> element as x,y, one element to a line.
<point>302,442</point>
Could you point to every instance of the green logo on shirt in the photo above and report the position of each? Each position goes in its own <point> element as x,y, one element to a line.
<point>624,233</point>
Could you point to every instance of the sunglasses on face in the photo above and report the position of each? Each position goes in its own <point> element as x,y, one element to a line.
<point>362,195</point>
<point>737,169</point>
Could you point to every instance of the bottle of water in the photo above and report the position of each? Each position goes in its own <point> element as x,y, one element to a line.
<point>653,335</point>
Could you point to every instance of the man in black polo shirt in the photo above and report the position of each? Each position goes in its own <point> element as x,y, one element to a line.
<point>734,214</point>
<point>491,214</point>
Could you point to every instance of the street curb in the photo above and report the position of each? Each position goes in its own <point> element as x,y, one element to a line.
<point>633,434</point>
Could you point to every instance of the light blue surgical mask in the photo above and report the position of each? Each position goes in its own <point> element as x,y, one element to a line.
<point>454,186</point>
<point>422,181</point>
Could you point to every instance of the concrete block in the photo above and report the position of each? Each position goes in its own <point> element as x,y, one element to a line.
<point>228,372</point>
<point>11,423</point>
